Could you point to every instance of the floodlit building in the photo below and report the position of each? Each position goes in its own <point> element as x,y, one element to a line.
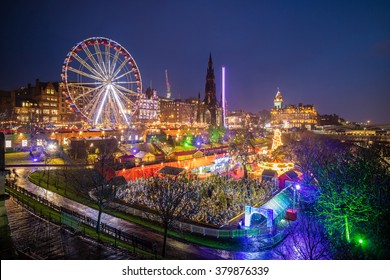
<point>292,115</point>
<point>239,119</point>
<point>43,103</point>
<point>149,106</point>
<point>178,111</point>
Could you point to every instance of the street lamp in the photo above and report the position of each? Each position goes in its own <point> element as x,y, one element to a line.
<point>296,188</point>
<point>291,214</point>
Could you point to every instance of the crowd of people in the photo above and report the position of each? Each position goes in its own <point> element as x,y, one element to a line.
<point>220,198</point>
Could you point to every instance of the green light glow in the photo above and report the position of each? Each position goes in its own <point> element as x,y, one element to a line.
<point>361,241</point>
<point>347,228</point>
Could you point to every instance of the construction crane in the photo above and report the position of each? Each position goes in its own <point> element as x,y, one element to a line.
<point>168,85</point>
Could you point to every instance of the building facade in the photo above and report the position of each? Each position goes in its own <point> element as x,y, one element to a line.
<point>239,119</point>
<point>300,116</point>
<point>42,104</point>
<point>149,106</point>
<point>178,111</point>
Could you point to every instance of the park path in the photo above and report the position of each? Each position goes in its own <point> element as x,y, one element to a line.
<point>175,249</point>
<point>40,239</point>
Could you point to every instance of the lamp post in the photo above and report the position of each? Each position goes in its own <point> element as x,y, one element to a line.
<point>296,188</point>
<point>291,214</point>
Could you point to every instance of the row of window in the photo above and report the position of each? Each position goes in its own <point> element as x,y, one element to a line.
<point>49,104</point>
<point>48,112</point>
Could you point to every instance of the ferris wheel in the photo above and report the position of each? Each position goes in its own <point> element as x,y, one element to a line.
<point>102,82</point>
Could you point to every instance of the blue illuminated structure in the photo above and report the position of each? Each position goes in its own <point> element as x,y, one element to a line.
<point>274,210</point>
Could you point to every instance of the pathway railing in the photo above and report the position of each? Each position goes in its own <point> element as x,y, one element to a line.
<point>78,222</point>
<point>264,234</point>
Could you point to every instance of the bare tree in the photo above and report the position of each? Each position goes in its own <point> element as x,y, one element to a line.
<point>103,192</point>
<point>353,185</point>
<point>306,240</point>
<point>242,149</point>
<point>304,154</point>
<point>95,182</point>
<point>172,199</point>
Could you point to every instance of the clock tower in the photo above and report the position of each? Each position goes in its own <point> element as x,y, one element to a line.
<point>278,100</point>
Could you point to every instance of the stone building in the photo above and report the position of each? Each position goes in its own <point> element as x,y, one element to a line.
<point>300,116</point>
<point>43,103</point>
<point>149,106</point>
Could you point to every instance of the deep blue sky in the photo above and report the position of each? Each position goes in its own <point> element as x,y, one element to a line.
<point>333,54</point>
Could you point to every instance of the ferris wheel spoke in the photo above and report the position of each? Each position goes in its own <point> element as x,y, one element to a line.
<point>84,74</point>
<point>124,74</point>
<point>123,96</point>
<point>81,84</point>
<point>108,61</point>
<point>90,90</point>
<point>112,110</point>
<point>128,82</point>
<point>91,110</point>
<point>100,57</point>
<point>124,100</point>
<point>114,107</point>
<point>101,105</point>
<point>114,62</point>
<point>120,88</point>
<point>96,97</point>
<point>93,60</point>
<point>119,103</point>
<point>119,68</point>
<point>86,65</point>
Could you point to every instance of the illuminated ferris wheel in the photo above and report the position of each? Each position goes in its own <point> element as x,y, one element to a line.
<point>102,82</point>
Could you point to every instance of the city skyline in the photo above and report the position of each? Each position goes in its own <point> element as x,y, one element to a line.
<point>331,54</point>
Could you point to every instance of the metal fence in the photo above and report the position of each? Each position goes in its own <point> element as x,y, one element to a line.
<point>263,233</point>
<point>198,229</point>
<point>78,222</point>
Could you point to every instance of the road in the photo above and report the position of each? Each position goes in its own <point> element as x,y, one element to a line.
<point>175,249</point>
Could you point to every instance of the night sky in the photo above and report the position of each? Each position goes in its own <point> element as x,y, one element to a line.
<point>333,54</point>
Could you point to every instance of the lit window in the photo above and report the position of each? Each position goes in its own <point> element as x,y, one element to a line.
<point>8,143</point>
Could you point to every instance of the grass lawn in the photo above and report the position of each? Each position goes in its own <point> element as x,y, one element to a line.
<point>25,158</point>
<point>54,216</point>
<point>64,182</point>
<point>18,158</point>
